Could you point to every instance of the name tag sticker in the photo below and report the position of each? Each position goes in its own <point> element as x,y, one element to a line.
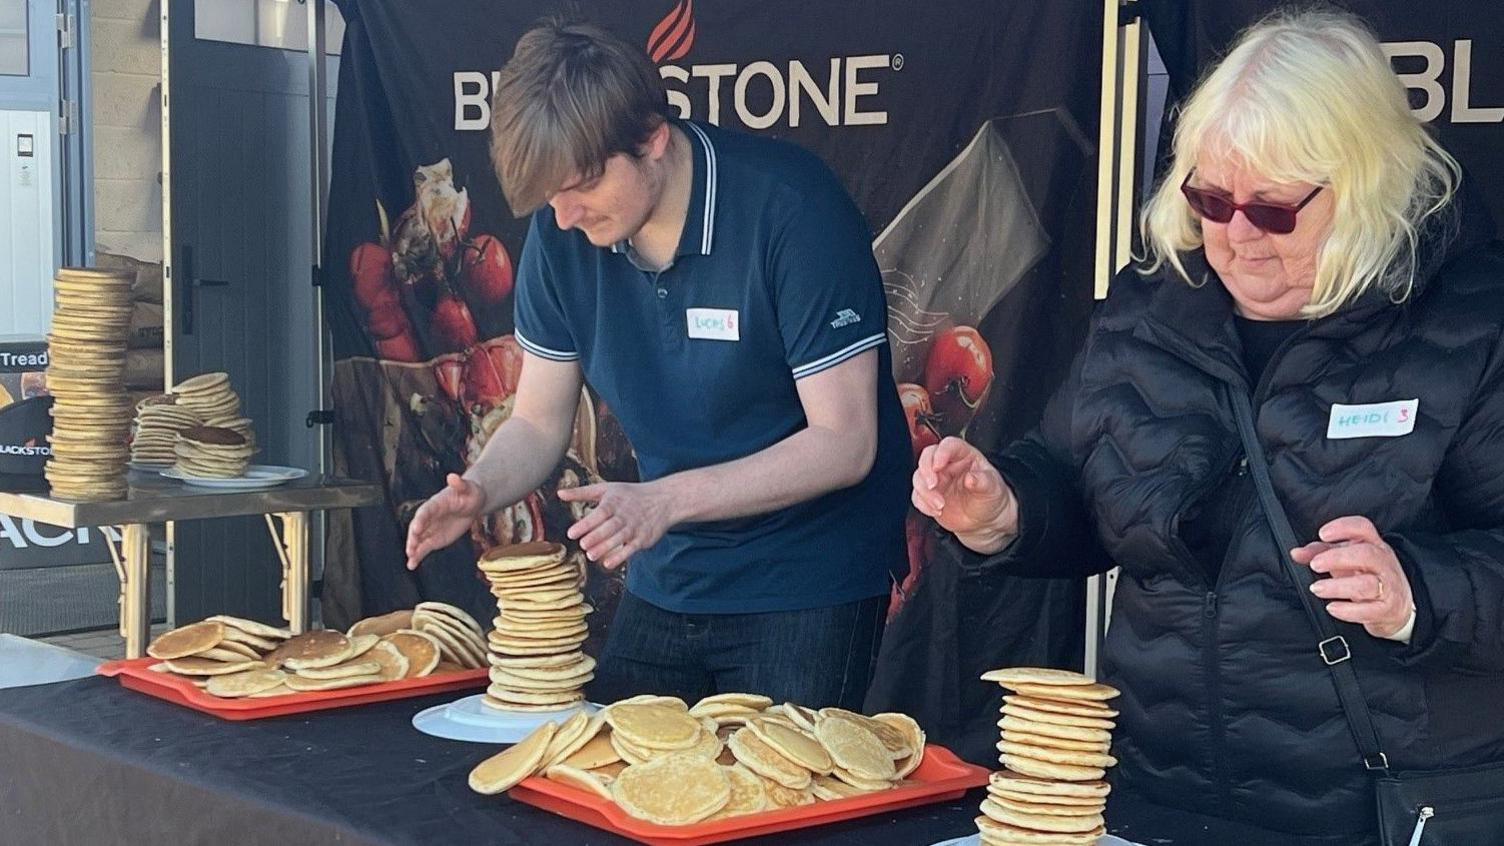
<point>1376,420</point>
<point>714,324</point>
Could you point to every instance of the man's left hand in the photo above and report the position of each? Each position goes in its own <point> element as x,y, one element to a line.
<point>1367,584</point>
<point>628,518</point>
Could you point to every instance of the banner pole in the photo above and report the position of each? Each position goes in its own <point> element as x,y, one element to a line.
<point>318,99</point>
<point>1116,155</point>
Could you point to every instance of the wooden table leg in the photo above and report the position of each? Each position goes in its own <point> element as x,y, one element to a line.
<point>292,548</point>
<point>135,589</point>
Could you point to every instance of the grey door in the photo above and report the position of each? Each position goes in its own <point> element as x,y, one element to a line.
<point>240,275</point>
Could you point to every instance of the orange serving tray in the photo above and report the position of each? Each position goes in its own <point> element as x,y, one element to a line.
<point>134,675</point>
<point>940,778</point>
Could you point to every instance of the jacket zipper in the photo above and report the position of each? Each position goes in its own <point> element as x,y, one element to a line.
<point>1426,812</point>
<point>1209,651</point>
<point>1210,654</point>
<point>1237,378</point>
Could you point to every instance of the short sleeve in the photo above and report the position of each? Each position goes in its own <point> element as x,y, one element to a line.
<point>827,287</point>
<point>540,324</point>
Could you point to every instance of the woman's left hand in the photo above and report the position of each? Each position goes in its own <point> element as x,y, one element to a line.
<point>1367,586</point>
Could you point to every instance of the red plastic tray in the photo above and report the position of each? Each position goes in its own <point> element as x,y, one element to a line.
<point>941,778</point>
<point>134,675</point>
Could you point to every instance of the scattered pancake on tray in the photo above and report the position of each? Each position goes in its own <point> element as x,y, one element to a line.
<point>1056,736</point>
<point>233,658</point>
<point>730,755</point>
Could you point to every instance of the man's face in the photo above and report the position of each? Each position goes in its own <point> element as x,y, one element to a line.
<point>613,206</point>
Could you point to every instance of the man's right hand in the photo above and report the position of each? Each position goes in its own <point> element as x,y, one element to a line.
<point>959,487</point>
<point>444,518</point>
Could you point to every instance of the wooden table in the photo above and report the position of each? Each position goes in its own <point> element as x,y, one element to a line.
<point>154,499</point>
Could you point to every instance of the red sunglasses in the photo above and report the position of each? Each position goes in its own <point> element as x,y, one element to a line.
<point>1219,208</point>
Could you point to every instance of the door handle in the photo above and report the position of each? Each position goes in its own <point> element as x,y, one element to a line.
<point>190,282</point>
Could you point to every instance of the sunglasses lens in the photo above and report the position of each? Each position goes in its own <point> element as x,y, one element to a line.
<point>1276,220</point>
<point>1208,205</point>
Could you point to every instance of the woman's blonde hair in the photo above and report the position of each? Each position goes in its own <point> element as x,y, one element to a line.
<point>1309,97</point>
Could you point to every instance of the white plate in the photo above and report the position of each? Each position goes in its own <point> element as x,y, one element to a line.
<point>976,840</point>
<point>257,477</point>
<point>472,720</point>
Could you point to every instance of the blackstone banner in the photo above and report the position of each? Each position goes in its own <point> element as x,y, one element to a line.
<point>965,131</point>
<point>1449,54</point>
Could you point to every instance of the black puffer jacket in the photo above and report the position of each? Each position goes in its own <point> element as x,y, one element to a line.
<point>1226,707</point>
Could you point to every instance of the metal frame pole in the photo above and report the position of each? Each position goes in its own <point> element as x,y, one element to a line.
<point>1117,151</point>
<point>318,124</point>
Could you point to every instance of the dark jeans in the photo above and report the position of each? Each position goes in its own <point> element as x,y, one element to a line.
<point>818,657</point>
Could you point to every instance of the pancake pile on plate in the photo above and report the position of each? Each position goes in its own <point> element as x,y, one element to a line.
<point>154,436</point>
<point>534,646</point>
<point>210,397</point>
<point>209,452</point>
<point>234,658</point>
<point>730,755</point>
<point>1056,737</point>
<point>86,377</point>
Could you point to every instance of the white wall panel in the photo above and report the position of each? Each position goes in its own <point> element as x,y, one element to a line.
<point>26,237</point>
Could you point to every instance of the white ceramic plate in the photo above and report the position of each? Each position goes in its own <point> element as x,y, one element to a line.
<point>257,477</point>
<point>472,720</point>
<point>976,840</point>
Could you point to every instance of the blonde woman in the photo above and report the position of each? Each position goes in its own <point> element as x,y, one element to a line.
<point>1306,260</point>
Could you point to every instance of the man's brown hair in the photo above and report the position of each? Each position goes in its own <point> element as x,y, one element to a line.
<point>572,96</point>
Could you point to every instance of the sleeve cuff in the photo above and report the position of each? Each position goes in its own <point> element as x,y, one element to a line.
<point>1033,517</point>
<point>1403,635</point>
<point>544,352</point>
<point>826,362</point>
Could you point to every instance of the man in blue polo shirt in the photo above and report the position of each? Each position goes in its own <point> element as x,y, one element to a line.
<point>719,292</point>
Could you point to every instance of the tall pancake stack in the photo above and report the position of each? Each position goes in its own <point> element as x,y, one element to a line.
<point>534,649</point>
<point>1056,733</point>
<point>86,377</point>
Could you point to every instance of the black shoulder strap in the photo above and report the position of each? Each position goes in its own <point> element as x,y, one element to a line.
<point>1331,646</point>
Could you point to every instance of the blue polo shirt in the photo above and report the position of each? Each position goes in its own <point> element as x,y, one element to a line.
<point>773,281</point>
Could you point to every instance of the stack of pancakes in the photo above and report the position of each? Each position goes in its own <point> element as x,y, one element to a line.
<point>234,658</point>
<point>209,396</point>
<point>1056,734</point>
<point>86,377</point>
<point>159,419</point>
<point>535,657</point>
<point>730,755</point>
<point>461,641</point>
<point>212,453</point>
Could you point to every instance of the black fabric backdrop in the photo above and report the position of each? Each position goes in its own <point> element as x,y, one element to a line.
<point>1448,53</point>
<point>966,132</point>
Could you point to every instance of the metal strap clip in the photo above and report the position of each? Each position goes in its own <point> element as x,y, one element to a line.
<point>1334,650</point>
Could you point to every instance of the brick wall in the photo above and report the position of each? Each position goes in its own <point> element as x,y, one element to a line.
<point>127,123</point>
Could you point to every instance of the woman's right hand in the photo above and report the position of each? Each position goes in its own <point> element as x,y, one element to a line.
<point>446,516</point>
<point>959,487</point>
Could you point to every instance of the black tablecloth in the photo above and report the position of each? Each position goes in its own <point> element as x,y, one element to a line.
<point>88,762</point>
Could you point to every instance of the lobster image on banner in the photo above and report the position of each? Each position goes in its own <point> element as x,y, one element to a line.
<point>417,287</point>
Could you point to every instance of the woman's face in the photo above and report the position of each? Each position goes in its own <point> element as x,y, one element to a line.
<point>1269,276</point>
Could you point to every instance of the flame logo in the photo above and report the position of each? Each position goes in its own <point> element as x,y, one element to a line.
<point>674,35</point>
